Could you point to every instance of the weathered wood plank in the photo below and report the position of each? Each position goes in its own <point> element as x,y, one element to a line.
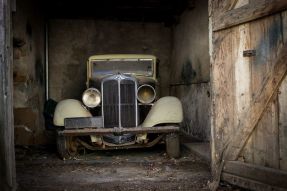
<point>243,77</point>
<point>265,148</point>
<point>240,3</point>
<point>242,73</point>
<point>252,11</point>
<point>269,176</point>
<point>248,183</point>
<point>283,124</point>
<point>283,107</point>
<point>284,25</point>
<point>7,158</point>
<point>223,96</point>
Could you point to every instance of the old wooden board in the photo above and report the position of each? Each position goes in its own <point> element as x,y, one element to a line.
<point>253,10</point>
<point>248,183</point>
<point>223,91</point>
<point>269,176</point>
<point>283,109</point>
<point>7,158</point>
<point>283,125</point>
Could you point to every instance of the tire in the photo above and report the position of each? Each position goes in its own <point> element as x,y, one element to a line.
<point>172,145</point>
<point>67,147</point>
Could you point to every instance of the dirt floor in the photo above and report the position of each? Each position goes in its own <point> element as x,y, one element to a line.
<point>39,168</point>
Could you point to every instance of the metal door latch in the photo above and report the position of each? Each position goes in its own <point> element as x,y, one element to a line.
<point>249,53</point>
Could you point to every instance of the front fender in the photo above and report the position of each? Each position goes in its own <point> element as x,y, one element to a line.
<point>165,110</point>
<point>69,108</point>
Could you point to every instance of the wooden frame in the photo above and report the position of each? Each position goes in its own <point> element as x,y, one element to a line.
<point>7,158</point>
<point>229,17</point>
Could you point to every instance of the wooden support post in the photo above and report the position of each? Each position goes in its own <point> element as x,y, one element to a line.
<point>7,156</point>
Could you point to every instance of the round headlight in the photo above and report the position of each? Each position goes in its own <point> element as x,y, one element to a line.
<point>91,97</point>
<point>146,94</point>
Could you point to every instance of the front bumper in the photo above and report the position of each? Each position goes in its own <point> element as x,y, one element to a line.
<point>92,126</point>
<point>118,131</point>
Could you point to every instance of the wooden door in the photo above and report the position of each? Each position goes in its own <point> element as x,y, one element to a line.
<point>249,92</point>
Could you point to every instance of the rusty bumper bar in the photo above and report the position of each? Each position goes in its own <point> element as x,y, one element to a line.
<point>104,131</point>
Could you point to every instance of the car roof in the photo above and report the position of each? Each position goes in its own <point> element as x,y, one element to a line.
<point>121,56</point>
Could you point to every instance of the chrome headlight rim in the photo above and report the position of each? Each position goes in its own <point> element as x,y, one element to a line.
<point>151,100</point>
<point>98,101</point>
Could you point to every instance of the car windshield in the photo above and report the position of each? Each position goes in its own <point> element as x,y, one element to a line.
<point>125,66</point>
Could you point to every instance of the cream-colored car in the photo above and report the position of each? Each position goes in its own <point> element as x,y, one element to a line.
<point>119,109</point>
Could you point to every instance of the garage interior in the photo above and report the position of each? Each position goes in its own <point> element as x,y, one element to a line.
<point>202,56</point>
<point>70,33</point>
<point>53,40</point>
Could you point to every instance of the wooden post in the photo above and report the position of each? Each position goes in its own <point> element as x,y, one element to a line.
<point>7,156</point>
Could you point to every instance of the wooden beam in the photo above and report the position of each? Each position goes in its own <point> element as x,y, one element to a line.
<point>248,183</point>
<point>236,141</point>
<point>7,158</point>
<point>269,176</point>
<point>254,10</point>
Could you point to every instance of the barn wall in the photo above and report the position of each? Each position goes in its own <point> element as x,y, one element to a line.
<point>190,69</point>
<point>71,42</point>
<point>28,72</point>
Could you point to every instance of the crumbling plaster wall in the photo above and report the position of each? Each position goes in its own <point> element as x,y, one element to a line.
<point>190,69</point>
<point>71,42</point>
<point>28,72</point>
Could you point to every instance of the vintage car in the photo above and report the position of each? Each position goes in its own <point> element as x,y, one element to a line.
<point>119,109</point>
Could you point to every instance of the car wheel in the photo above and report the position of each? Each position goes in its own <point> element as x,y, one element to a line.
<point>172,145</point>
<point>67,147</point>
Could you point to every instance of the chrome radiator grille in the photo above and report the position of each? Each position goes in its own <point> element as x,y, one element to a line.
<point>119,106</point>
